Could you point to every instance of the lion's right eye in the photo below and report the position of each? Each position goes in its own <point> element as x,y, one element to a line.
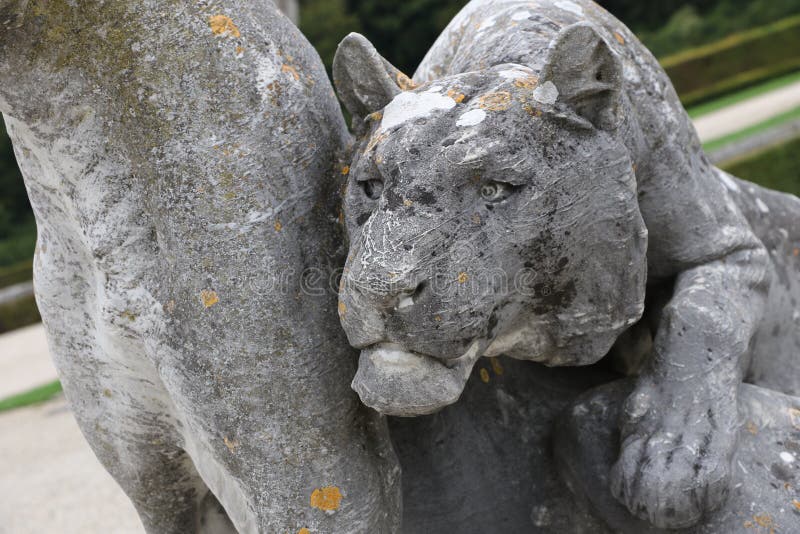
<point>495,191</point>
<point>372,188</point>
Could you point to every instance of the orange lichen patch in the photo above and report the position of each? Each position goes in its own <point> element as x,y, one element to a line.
<point>327,499</point>
<point>437,318</point>
<point>209,297</point>
<point>170,306</point>
<point>796,252</point>
<point>342,308</point>
<point>532,110</point>
<point>291,70</point>
<point>476,218</point>
<point>107,393</point>
<point>405,83</point>
<point>239,50</point>
<point>762,521</point>
<point>232,444</point>
<point>374,116</point>
<point>796,503</point>
<point>620,39</point>
<point>752,428</point>
<point>484,376</point>
<point>462,277</point>
<point>222,25</point>
<point>496,366</point>
<point>346,170</point>
<point>456,96</point>
<point>528,82</point>
<point>278,226</point>
<point>407,203</point>
<point>304,531</point>
<point>499,101</point>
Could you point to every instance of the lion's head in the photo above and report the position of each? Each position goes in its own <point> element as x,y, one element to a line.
<point>488,212</point>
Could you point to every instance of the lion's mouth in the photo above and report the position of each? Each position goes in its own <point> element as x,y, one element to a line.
<point>395,381</point>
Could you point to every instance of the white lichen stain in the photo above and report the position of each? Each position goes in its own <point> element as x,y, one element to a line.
<point>515,73</point>
<point>572,7</point>
<point>471,118</point>
<point>408,105</point>
<point>547,93</point>
<point>728,181</point>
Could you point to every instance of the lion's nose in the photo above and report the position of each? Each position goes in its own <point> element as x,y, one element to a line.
<point>406,298</point>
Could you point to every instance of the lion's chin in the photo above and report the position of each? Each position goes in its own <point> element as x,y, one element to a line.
<point>397,382</point>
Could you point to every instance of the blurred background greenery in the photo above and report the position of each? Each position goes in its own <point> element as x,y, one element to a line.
<point>717,52</point>
<point>403,31</point>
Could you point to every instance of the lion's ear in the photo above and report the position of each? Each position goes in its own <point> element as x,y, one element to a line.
<point>587,74</point>
<point>365,81</point>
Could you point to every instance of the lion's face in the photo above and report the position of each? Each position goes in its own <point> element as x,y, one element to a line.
<point>484,220</point>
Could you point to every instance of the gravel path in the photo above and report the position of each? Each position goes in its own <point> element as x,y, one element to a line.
<point>24,361</point>
<point>747,113</point>
<point>50,480</point>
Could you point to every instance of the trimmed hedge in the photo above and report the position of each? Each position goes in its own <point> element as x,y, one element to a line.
<point>18,246</point>
<point>17,273</point>
<point>736,61</point>
<point>19,313</point>
<point>777,167</point>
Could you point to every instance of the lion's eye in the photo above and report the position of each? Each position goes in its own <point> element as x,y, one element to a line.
<point>495,191</point>
<point>372,188</point>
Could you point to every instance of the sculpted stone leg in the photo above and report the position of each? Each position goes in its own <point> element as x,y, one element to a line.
<point>181,161</point>
<point>764,479</point>
<point>117,396</point>
<point>775,218</point>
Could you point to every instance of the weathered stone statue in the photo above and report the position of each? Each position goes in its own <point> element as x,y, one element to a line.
<point>180,158</point>
<point>537,191</point>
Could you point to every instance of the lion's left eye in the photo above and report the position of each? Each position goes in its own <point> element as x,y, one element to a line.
<point>495,191</point>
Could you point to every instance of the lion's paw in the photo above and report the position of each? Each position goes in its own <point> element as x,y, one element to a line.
<point>672,470</point>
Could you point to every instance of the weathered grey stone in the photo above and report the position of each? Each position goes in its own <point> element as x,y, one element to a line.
<point>181,160</point>
<point>521,197</point>
<point>763,493</point>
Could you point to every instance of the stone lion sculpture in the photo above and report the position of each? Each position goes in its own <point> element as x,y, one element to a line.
<point>535,191</point>
<point>541,195</point>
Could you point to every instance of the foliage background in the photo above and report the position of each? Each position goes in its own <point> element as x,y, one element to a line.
<point>404,30</point>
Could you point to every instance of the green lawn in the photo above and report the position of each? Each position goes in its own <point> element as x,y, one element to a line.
<point>34,396</point>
